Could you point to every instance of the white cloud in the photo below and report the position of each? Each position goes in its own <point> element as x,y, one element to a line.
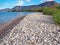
<point>28,0</point>
<point>20,3</point>
<point>45,0</point>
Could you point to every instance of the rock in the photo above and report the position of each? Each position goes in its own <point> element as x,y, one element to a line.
<point>34,29</point>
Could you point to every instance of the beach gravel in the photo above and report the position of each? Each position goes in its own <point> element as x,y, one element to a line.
<point>34,29</point>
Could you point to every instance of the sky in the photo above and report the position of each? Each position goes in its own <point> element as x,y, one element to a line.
<point>13,3</point>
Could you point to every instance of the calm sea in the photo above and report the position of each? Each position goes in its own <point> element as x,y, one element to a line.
<point>7,16</point>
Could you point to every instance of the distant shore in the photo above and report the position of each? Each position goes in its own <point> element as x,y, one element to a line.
<point>6,28</point>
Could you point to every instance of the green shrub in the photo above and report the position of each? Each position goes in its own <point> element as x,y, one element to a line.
<point>53,11</point>
<point>57,17</point>
<point>40,10</point>
<point>58,7</point>
<point>49,11</point>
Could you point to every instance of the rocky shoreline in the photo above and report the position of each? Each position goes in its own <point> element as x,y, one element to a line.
<point>34,29</point>
<point>7,27</point>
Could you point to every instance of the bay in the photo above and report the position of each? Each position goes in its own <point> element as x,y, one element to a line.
<point>7,16</point>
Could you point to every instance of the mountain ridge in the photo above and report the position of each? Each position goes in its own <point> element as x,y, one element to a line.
<point>19,8</point>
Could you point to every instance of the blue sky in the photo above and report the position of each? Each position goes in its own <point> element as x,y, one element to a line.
<point>12,3</point>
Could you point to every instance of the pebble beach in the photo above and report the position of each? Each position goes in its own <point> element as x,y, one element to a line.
<point>34,29</point>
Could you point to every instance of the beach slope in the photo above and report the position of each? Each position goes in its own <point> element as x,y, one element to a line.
<point>34,29</point>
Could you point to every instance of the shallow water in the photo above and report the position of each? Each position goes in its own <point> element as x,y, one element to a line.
<point>7,16</point>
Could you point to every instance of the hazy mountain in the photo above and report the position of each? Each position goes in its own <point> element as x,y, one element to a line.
<point>48,4</point>
<point>5,10</point>
<point>19,8</point>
